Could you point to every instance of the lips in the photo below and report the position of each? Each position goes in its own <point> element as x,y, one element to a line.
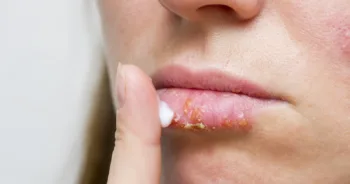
<point>210,100</point>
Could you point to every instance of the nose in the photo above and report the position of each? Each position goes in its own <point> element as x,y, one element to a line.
<point>194,9</point>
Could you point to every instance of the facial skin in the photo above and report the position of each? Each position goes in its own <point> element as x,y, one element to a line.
<point>299,50</point>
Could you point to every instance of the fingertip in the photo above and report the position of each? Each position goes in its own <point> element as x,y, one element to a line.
<point>137,149</point>
<point>140,113</point>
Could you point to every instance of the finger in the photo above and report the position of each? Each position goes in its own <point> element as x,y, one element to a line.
<point>137,157</point>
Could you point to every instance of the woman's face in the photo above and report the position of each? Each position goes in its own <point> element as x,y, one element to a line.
<point>288,59</point>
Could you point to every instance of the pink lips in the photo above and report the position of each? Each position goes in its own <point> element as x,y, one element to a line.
<point>209,100</point>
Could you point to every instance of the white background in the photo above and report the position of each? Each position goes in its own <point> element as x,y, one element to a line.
<point>49,67</point>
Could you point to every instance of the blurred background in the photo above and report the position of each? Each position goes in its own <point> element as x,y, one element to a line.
<point>56,120</point>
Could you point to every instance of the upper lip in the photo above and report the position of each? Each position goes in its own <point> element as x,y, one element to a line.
<point>214,80</point>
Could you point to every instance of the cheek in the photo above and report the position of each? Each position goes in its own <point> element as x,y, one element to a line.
<point>320,24</point>
<point>346,44</point>
<point>342,37</point>
<point>337,34</point>
<point>334,37</point>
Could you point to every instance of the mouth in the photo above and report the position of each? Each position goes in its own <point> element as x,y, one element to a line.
<point>210,100</point>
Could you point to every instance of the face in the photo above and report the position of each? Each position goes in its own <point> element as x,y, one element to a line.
<point>284,65</point>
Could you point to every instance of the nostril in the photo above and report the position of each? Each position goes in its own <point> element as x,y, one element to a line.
<point>221,8</point>
<point>241,9</point>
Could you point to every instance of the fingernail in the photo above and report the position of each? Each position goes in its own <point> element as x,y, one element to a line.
<point>166,115</point>
<point>121,88</point>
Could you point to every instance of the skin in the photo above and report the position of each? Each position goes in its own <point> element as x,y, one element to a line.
<point>300,50</point>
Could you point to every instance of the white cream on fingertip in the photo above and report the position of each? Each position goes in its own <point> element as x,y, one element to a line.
<point>165,114</point>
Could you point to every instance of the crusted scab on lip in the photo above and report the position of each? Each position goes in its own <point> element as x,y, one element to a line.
<point>189,126</point>
<point>241,125</point>
<point>196,126</point>
<point>192,120</point>
<point>187,106</point>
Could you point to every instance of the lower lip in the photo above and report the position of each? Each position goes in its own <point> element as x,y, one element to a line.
<point>211,110</point>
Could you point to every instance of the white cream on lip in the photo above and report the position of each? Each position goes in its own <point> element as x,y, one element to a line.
<point>165,114</point>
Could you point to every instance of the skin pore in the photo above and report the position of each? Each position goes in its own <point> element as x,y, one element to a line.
<point>299,50</point>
